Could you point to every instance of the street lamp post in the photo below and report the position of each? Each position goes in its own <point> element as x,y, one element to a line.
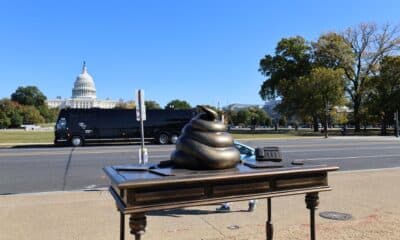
<point>326,119</point>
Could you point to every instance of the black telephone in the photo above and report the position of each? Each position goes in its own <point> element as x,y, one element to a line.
<point>272,154</point>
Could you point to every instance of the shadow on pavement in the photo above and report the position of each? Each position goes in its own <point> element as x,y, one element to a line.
<point>182,211</point>
<point>6,193</point>
<point>36,146</point>
<point>67,169</point>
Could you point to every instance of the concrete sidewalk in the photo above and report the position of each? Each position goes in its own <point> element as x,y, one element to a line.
<point>371,197</point>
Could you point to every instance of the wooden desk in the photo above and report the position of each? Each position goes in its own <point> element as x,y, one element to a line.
<point>139,191</point>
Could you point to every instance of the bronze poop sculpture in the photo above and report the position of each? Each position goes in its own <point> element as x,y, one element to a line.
<point>205,144</point>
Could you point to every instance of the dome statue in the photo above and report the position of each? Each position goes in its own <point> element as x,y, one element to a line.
<point>84,85</point>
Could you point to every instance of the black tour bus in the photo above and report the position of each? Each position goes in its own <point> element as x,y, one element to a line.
<point>80,126</point>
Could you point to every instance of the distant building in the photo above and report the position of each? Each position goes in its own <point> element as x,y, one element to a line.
<point>83,95</point>
<point>270,106</point>
<point>239,106</point>
<point>343,109</point>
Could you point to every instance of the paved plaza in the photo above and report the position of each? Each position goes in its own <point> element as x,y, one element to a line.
<point>370,196</point>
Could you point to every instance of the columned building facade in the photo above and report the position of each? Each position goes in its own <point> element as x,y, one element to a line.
<point>83,94</point>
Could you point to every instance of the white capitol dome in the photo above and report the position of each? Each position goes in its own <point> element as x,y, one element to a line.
<point>83,95</point>
<point>84,85</point>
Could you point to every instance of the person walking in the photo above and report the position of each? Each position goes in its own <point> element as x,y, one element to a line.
<point>225,207</point>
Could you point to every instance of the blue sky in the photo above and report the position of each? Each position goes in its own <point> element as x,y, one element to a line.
<point>203,52</point>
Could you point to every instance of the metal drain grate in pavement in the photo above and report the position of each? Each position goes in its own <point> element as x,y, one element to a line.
<point>335,215</point>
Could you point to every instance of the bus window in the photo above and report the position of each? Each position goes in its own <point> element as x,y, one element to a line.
<point>61,124</point>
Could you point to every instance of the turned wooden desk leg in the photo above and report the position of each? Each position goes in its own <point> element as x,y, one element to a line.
<point>137,224</point>
<point>122,226</point>
<point>312,203</point>
<point>268,227</point>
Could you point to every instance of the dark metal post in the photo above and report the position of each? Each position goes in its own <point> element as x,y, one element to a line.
<point>312,203</point>
<point>141,130</point>
<point>122,226</point>
<point>397,123</point>
<point>312,223</point>
<point>269,227</point>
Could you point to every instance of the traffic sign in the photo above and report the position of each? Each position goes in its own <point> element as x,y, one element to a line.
<point>140,106</point>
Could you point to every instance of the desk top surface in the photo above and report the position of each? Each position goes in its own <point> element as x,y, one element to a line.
<point>127,176</point>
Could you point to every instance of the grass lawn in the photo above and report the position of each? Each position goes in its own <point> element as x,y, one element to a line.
<point>20,136</point>
<point>263,135</point>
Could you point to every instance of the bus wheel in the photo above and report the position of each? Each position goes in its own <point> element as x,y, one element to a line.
<point>163,138</point>
<point>76,141</point>
<point>174,138</point>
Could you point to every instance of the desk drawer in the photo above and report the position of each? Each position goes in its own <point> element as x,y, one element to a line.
<point>242,188</point>
<point>169,195</point>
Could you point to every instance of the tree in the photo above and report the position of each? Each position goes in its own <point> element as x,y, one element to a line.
<point>12,112</point>
<point>230,117</point>
<point>5,121</point>
<point>384,96</point>
<point>150,104</point>
<point>369,45</point>
<point>31,115</point>
<point>29,95</point>
<point>16,119</point>
<point>49,114</point>
<point>292,60</point>
<point>125,105</point>
<point>243,117</point>
<point>332,51</point>
<point>339,116</point>
<point>259,116</point>
<point>178,104</point>
<point>254,116</point>
<point>293,74</point>
<point>268,122</point>
<point>283,121</point>
<point>321,90</point>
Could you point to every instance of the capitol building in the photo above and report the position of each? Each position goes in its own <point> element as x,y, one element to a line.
<point>83,95</point>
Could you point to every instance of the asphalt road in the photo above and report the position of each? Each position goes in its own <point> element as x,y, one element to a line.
<point>43,169</point>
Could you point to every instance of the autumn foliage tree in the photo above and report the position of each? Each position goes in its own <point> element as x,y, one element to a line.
<point>357,52</point>
<point>26,106</point>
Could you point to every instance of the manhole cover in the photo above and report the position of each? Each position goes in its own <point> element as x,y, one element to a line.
<point>233,227</point>
<point>335,216</point>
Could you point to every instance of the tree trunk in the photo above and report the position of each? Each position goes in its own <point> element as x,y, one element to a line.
<point>357,119</point>
<point>315,123</point>
<point>384,126</point>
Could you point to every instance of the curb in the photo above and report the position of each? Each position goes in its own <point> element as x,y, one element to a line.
<point>10,145</point>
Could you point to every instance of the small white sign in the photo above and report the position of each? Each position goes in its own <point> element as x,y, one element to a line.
<point>140,106</point>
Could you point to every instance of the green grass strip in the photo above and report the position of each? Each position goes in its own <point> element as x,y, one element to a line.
<point>21,136</point>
